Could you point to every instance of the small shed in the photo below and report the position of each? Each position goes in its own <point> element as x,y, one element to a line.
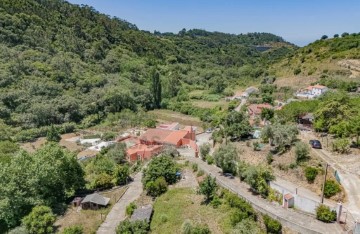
<point>94,201</point>
<point>307,119</point>
<point>288,200</point>
<point>77,201</point>
<point>143,213</point>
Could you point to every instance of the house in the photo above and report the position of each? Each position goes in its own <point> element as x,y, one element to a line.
<point>152,142</point>
<point>142,213</point>
<point>94,201</point>
<point>101,145</point>
<point>312,92</point>
<point>251,90</point>
<point>255,109</point>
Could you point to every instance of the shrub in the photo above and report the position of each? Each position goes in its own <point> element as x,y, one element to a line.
<point>208,188</point>
<point>204,150</point>
<point>188,228</point>
<point>157,187</point>
<point>292,165</point>
<point>272,225</point>
<point>108,136</point>
<point>237,216</point>
<point>331,188</point>
<point>130,209</point>
<point>256,146</point>
<point>301,152</point>
<point>341,145</point>
<point>323,213</point>
<point>138,227</point>
<point>194,167</point>
<point>73,230</point>
<point>40,220</point>
<point>310,174</point>
<point>216,202</point>
<point>297,71</point>
<point>200,173</point>
<point>269,158</point>
<point>210,160</point>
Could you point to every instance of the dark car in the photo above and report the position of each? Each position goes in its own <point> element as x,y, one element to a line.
<point>231,176</point>
<point>316,144</point>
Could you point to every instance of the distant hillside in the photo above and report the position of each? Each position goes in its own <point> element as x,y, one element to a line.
<point>332,57</point>
<point>65,63</point>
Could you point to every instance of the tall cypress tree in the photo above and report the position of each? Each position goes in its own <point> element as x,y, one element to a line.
<point>156,88</point>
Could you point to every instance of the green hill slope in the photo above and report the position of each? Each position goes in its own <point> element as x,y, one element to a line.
<point>336,56</point>
<point>65,63</point>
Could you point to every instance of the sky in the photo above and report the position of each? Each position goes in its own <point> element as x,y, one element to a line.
<point>297,21</point>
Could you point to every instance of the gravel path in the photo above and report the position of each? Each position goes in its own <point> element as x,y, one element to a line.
<point>117,213</point>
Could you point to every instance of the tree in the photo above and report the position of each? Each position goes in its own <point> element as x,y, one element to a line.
<point>331,188</point>
<point>302,151</point>
<point>267,113</point>
<point>156,88</point>
<point>157,187</point>
<point>161,166</point>
<point>345,34</point>
<point>53,135</point>
<point>237,125</point>
<point>323,213</point>
<point>121,174</point>
<point>136,227</point>
<point>324,37</point>
<point>208,188</point>
<point>204,150</point>
<point>225,158</point>
<point>40,220</point>
<point>247,226</point>
<point>336,35</point>
<point>76,229</point>
<point>272,225</point>
<point>117,152</point>
<point>280,135</point>
<point>258,178</point>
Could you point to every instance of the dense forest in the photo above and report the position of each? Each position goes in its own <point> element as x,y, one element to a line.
<point>63,63</point>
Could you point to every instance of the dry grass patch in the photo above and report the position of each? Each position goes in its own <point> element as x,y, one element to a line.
<point>90,220</point>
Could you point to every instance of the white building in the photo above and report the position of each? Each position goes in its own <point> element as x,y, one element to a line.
<point>312,92</point>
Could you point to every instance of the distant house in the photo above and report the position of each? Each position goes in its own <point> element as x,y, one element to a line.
<point>255,109</point>
<point>142,213</point>
<point>242,95</point>
<point>94,201</point>
<point>312,92</point>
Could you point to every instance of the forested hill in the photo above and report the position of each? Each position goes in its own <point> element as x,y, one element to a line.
<point>65,63</point>
<point>324,57</point>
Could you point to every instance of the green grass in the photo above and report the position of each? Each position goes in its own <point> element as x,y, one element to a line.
<point>180,204</point>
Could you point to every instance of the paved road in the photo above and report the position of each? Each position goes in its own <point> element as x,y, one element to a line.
<point>294,220</point>
<point>349,180</point>
<point>117,213</point>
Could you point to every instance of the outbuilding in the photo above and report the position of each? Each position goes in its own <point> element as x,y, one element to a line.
<point>94,201</point>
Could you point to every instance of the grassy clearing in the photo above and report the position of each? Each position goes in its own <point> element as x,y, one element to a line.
<point>180,204</point>
<point>90,220</point>
<point>172,116</point>
<point>206,104</point>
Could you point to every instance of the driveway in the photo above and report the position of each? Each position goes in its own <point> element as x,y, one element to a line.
<point>117,213</point>
<point>238,108</point>
<point>348,179</point>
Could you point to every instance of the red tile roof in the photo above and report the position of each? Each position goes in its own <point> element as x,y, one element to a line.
<point>256,108</point>
<point>155,135</point>
<point>175,137</point>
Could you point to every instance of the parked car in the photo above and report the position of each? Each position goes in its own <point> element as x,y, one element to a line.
<point>315,144</point>
<point>229,175</point>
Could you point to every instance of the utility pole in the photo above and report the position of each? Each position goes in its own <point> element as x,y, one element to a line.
<point>323,187</point>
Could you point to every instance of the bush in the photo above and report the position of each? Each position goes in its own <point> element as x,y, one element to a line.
<point>108,136</point>
<point>341,145</point>
<point>194,167</point>
<point>256,146</point>
<point>323,213</point>
<point>200,173</point>
<point>40,220</point>
<point>297,71</point>
<point>188,228</point>
<point>216,202</point>
<point>157,187</point>
<point>204,150</point>
<point>269,158</point>
<point>138,227</point>
<point>74,230</point>
<point>310,174</point>
<point>208,188</point>
<point>302,151</point>
<point>130,209</point>
<point>210,160</point>
<point>331,188</point>
<point>237,216</point>
<point>272,225</point>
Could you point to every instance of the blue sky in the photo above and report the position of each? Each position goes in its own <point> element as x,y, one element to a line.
<point>297,21</point>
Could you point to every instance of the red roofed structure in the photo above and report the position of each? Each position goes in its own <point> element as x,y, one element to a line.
<point>152,141</point>
<point>255,109</point>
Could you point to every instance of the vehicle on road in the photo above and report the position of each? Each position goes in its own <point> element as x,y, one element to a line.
<point>231,176</point>
<point>315,144</point>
